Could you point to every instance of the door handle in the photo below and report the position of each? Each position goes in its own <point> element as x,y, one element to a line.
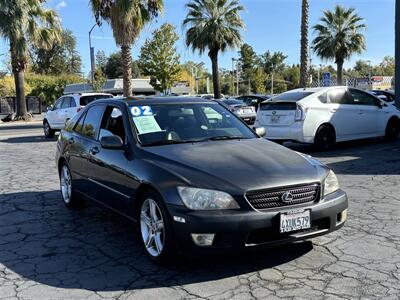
<point>70,141</point>
<point>333,110</point>
<point>360,112</point>
<point>94,150</point>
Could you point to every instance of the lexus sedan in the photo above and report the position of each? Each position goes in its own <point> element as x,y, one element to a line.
<point>246,112</point>
<point>194,177</point>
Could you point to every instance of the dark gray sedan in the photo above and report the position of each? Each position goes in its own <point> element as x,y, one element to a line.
<point>194,177</point>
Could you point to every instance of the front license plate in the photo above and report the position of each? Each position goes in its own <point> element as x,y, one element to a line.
<point>295,220</point>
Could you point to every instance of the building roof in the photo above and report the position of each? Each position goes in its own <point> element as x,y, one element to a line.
<point>111,86</point>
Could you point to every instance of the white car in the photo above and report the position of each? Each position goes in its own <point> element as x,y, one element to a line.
<point>327,115</point>
<point>65,108</point>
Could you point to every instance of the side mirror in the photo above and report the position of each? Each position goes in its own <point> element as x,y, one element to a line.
<point>111,142</point>
<point>49,108</point>
<point>260,131</point>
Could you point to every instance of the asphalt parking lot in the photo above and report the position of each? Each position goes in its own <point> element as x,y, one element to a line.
<point>49,252</point>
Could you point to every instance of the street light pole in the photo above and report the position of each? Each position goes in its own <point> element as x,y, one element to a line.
<point>92,65</point>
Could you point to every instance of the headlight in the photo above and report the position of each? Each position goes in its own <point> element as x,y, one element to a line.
<point>331,183</point>
<point>201,199</point>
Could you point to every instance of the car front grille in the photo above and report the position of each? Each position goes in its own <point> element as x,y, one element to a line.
<point>277,197</point>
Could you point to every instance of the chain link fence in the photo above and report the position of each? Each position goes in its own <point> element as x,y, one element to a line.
<point>375,82</point>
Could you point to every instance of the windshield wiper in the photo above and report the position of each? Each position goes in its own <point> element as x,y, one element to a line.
<point>227,137</point>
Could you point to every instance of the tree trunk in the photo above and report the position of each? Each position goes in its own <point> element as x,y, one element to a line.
<point>127,70</point>
<point>339,64</point>
<point>304,79</point>
<point>397,58</point>
<point>213,54</point>
<point>18,68</point>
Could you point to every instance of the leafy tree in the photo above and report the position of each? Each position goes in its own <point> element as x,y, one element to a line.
<point>388,66</point>
<point>362,68</point>
<point>127,18</point>
<point>304,78</point>
<point>259,81</point>
<point>159,59</point>
<point>7,87</point>
<point>202,74</point>
<point>101,60</point>
<point>24,22</point>
<point>213,25</point>
<point>339,36</point>
<point>99,80</point>
<point>249,63</point>
<point>61,57</point>
<point>292,77</point>
<point>50,87</point>
<point>114,69</point>
<point>273,62</point>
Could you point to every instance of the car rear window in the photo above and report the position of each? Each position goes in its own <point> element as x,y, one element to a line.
<point>278,106</point>
<point>233,102</point>
<point>85,100</point>
<point>292,96</point>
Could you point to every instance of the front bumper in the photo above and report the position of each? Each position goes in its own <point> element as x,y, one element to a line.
<point>239,230</point>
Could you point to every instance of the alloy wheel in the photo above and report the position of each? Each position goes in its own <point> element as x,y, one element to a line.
<point>46,129</point>
<point>66,184</point>
<point>152,227</point>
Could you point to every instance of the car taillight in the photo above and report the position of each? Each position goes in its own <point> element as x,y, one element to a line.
<point>300,114</point>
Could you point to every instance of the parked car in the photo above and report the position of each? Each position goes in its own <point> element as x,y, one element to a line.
<point>387,96</point>
<point>254,100</point>
<point>246,112</point>
<point>192,182</point>
<point>208,96</point>
<point>65,108</point>
<point>324,116</point>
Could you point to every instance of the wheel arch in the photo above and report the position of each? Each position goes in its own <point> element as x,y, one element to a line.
<point>142,189</point>
<point>327,124</point>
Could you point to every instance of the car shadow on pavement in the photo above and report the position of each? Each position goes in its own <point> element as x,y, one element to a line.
<point>362,157</point>
<point>27,139</point>
<point>91,249</point>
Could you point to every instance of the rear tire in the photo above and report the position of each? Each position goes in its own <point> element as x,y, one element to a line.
<point>392,131</point>
<point>325,138</point>
<point>68,194</point>
<point>154,228</point>
<point>48,132</point>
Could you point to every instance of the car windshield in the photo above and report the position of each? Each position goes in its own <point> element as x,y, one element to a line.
<point>292,96</point>
<point>161,124</point>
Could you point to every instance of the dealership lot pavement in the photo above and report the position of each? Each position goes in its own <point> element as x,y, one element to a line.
<point>48,252</point>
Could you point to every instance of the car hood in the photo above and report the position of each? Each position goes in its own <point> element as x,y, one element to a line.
<point>236,166</point>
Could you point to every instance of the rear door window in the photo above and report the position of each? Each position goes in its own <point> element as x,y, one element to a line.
<point>339,96</point>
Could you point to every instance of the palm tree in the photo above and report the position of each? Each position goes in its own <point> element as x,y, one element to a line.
<point>304,44</point>
<point>23,23</point>
<point>127,18</point>
<point>339,35</point>
<point>214,25</point>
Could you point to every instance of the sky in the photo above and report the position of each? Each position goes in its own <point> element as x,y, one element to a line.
<point>270,25</point>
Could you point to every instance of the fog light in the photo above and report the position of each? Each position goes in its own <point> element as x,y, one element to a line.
<point>341,217</point>
<point>203,239</point>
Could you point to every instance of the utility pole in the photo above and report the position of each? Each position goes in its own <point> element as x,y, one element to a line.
<point>237,77</point>
<point>397,57</point>
<point>92,64</point>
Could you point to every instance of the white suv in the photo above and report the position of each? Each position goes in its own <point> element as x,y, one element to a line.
<point>65,108</point>
<point>327,115</point>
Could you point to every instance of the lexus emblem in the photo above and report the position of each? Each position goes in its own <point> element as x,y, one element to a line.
<point>287,197</point>
<point>274,112</point>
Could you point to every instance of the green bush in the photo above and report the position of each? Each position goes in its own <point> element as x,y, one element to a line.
<point>48,87</point>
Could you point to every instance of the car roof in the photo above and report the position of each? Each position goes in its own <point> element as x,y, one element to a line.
<point>86,94</point>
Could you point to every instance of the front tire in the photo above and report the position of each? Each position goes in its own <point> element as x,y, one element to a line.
<point>154,228</point>
<point>325,138</point>
<point>48,132</point>
<point>392,131</point>
<point>68,194</point>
